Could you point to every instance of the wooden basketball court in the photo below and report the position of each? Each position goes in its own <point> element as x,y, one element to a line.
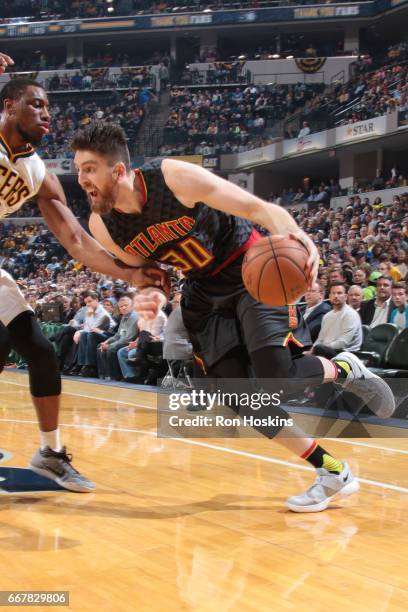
<point>196,524</point>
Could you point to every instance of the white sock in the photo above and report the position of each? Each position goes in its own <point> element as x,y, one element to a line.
<point>51,439</point>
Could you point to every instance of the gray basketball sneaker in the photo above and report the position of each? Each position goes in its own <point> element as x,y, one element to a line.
<point>327,487</point>
<point>369,387</point>
<point>57,466</point>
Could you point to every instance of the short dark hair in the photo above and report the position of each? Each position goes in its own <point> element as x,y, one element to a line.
<point>338,284</point>
<point>106,139</point>
<point>127,294</point>
<point>92,294</point>
<point>385,277</point>
<point>15,88</point>
<point>399,286</point>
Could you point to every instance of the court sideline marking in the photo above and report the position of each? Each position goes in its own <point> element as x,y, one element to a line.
<point>223,449</point>
<point>399,451</point>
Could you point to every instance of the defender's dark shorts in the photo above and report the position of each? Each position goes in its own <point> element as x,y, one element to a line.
<point>219,314</point>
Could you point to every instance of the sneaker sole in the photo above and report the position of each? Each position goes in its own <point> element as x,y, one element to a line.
<point>58,480</point>
<point>349,489</point>
<point>387,394</point>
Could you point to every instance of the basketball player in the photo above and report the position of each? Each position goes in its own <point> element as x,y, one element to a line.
<point>180,214</point>
<point>24,121</point>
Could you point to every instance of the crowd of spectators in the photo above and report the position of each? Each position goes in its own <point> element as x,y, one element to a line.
<point>323,192</point>
<point>42,61</point>
<point>240,115</point>
<point>236,115</point>
<point>127,109</point>
<point>217,73</point>
<point>79,207</point>
<point>228,118</point>
<point>371,93</point>
<point>28,249</point>
<point>99,78</point>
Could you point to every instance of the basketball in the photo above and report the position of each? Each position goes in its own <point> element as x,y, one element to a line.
<point>273,270</point>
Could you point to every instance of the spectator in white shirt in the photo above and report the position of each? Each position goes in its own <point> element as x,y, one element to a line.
<point>341,327</point>
<point>305,131</point>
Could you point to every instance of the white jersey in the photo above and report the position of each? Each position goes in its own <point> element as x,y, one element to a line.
<point>21,176</point>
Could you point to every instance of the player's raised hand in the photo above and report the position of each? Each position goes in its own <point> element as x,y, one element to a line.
<point>5,60</point>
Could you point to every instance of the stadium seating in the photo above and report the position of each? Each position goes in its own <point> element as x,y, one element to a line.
<point>376,343</point>
<point>396,358</point>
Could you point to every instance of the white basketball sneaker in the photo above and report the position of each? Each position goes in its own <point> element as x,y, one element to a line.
<point>372,389</point>
<point>328,486</point>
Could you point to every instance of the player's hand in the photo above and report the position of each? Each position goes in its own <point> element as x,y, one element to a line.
<point>149,302</point>
<point>76,337</point>
<point>151,276</point>
<point>5,60</point>
<point>312,265</point>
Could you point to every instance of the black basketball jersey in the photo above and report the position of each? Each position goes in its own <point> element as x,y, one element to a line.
<point>196,240</point>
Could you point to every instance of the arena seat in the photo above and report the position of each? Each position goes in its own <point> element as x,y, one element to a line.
<point>376,343</point>
<point>396,358</point>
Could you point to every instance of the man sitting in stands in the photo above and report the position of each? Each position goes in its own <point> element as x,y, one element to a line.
<point>97,320</point>
<point>316,308</point>
<point>341,328</point>
<point>378,310</point>
<point>399,314</point>
<point>106,355</point>
<point>132,358</point>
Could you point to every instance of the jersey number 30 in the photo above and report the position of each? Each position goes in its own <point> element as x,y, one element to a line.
<point>188,255</point>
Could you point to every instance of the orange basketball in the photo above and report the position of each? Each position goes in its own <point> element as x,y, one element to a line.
<point>273,270</point>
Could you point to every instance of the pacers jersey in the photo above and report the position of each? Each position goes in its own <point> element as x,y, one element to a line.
<point>21,176</point>
<point>199,241</point>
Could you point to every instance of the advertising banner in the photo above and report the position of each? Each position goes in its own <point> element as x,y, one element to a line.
<point>306,143</point>
<point>361,130</point>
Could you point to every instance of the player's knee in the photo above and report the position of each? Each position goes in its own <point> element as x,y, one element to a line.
<point>271,362</point>
<point>39,350</point>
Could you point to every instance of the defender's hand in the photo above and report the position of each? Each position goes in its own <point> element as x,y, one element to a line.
<point>151,276</point>
<point>5,60</point>
<point>149,302</point>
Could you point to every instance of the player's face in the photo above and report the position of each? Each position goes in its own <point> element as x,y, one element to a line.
<point>32,115</point>
<point>97,178</point>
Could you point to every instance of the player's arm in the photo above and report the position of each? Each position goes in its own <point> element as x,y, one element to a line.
<point>191,184</point>
<point>81,246</point>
